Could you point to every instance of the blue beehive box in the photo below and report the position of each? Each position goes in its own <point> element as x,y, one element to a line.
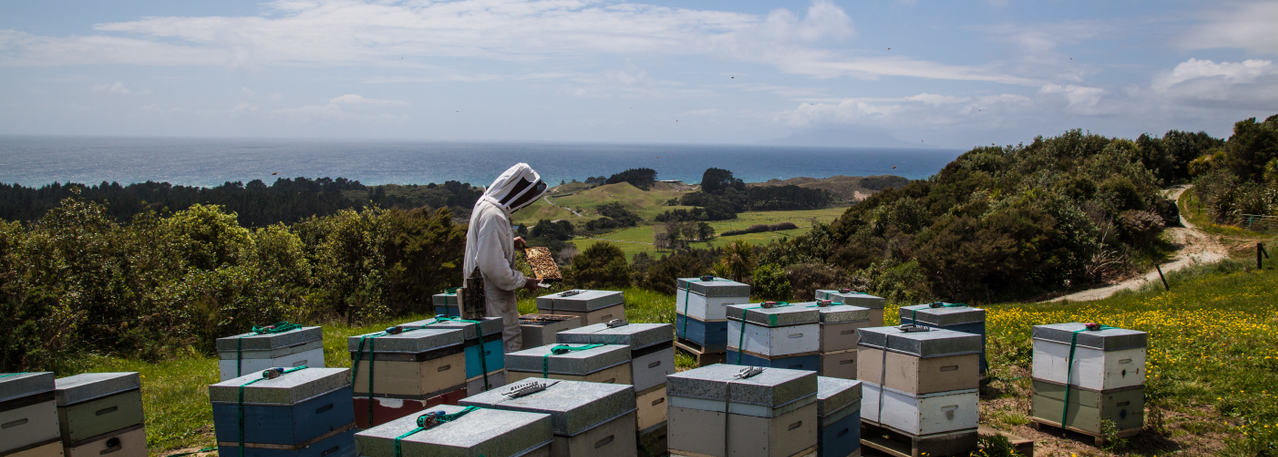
<point>493,359</point>
<point>838,417</point>
<point>803,362</point>
<point>447,304</point>
<point>948,316</point>
<point>302,413</point>
<point>711,336</point>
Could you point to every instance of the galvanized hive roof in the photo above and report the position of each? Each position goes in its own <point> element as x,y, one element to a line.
<point>25,385</point>
<point>573,406</point>
<point>254,342</point>
<point>576,363</point>
<point>488,432</point>
<point>580,300</point>
<point>835,393</point>
<point>854,298</point>
<point>89,386</point>
<point>943,316</point>
<point>637,336</point>
<point>444,299</point>
<point>780,316</point>
<point>717,287</point>
<point>773,387</point>
<point>410,342</point>
<point>921,341</point>
<point>288,389</point>
<point>836,313</point>
<point>490,325</point>
<point>1105,340</point>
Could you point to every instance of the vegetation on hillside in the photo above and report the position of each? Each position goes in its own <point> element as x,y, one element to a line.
<point>1237,181</point>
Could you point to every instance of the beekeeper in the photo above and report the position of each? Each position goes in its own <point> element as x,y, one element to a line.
<point>491,245</point>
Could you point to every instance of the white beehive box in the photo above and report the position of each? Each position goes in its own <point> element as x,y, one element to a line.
<point>854,298</point>
<point>1103,360</point>
<point>28,413</point>
<point>782,331</point>
<point>704,298</point>
<point>587,419</point>
<point>920,415</point>
<point>608,364</point>
<point>714,411</point>
<point>416,364</point>
<point>919,360</point>
<point>304,346</point>
<point>651,348</point>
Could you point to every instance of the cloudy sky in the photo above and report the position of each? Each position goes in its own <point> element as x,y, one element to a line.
<point>948,73</point>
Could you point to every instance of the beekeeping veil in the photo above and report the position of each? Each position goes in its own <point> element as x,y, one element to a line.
<point>518,187</point>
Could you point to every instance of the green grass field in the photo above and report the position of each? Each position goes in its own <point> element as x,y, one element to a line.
<point>634,240</point>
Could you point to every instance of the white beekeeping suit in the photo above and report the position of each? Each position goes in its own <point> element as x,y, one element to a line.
<point>490,245</point>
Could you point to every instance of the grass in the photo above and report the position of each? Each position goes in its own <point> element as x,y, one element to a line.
<point>639,239</point>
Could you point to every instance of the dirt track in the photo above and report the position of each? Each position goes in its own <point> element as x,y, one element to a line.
<point>1196,247</point>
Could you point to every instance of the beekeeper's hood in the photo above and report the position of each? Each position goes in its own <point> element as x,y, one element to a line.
<point>518,187</point>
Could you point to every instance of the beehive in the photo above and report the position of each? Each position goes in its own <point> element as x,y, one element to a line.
<point>446,304</point>
<point>593,306</point>
<point>922,415</point>
<point>948,316</point>
<point>919,360</point>
<point>540,329</point>
<point>784,336</point>
<point>1103,360</point>
<point>414,364</point>
<point>839,364</point>
<point>854,298</point>
<point>28,415</point>
<point>371,411</point>
<point>487,432</point>
<point>721,410</point>
<point>1088,409</point>
<point>482,335</point>
<point>839,324</point>
<point>301,412</point>
<point>98,412</point>
<point>251,352</point>
<point>652,359</point>
<point>700,316</point>
<point>609,363</point>
<point>838,417</point>
<point>587,418</point>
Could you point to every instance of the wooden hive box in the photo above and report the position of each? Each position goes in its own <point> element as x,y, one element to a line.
<point>587,418</point>
<point>299,413</point>
<point>1088,408</point>
<point>101,413</point>
<point>446,304</point>
<point>722,410</point>
<point>487,432</point>
<point>1103,360</point>
<point>28,414</point>
<point>709,337</point>
<point>838,417</point>
<point>251,353</point>
<point>593,306</point>
<point>653,408</point>
<point>53,449</point>
<point>919,360</point>
<point>416,364</point>
<point>839,364</point>
<point>609,364</point>
<point>839,324</point>
<point>854,298</point>
<point>651,348</point>
<point>777,332</point>
<point>540,329</point>
<point>937,413</point>
<point>488,342</point>
<point>948,316</point>
<point>704,298</point>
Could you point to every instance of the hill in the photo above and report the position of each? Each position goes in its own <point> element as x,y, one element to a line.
<point>847,189</point>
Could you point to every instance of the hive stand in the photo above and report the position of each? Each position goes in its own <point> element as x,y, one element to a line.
<point>703,357</point>
<point>1047,426</point>
<point>1024,447</point>
<point>892,443</point>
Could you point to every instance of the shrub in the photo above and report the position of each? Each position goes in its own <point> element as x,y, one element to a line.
<point>806,278</point>
<point>602,265</point>
<point>770,283</point>
<point>663,274</point>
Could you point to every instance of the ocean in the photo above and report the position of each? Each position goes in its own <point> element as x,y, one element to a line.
<point>39,160</point>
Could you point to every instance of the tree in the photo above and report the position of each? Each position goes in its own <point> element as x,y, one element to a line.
<point>716,180</point>
<point>738,259</point>
<point>642,178</point>
<point>770,283</point>
<point>602,265</point>
<point>663,274</point>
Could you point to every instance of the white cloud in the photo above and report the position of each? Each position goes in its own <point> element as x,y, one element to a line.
<point>918,110</point>
<point>350,107</point>
<point>1244,25</point>
<point>1247,84</point>
<point>1082,99</point>
<point>119,88</point>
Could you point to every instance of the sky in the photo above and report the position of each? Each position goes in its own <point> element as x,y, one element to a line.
<point>952,74</point>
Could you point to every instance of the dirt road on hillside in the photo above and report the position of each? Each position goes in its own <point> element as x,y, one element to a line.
<point>1196,247</point>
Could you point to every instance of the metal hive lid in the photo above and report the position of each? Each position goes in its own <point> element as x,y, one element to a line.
<point>255,342</point>
<point>637,336</point>
<point>288,389</point>
<point>926,343</point>
<point>410,342</point>
<point>25,385</point>
<point>577,363</point>
<point>1105,340</point>
<point>943,316</point>
<point>836,313</point>
<point>89,386</point>
<point>581,300</point>
<point>490,325</point>
<point>444,299</point>
<point>854,298</point>
<point>835,393</point>
<point>772,388</point>
<point>485,431</point>
<point>793,314</point>
<point>717,287</point>
<point>573,406</point>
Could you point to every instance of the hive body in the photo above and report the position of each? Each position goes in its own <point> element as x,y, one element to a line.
<point>540,329</point>
<point>715,412</point>
<point>838,417</point>
<point>29,415</point>
<point>101,412</point>
<point>300,413</point>
<point>256,352</point>
<point>1103,381</point>
<point>587,419</point>
<point>488,432</point>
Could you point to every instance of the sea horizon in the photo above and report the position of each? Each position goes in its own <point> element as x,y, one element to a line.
<point>38,160</point>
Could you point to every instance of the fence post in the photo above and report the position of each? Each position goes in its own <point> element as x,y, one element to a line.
<point>1160,276</point>
<point>1260,249</point>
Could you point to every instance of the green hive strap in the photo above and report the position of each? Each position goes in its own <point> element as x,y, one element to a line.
<point>1069,362</point>
<point>686,295</point>
<point>772,320</point>
<point>359,351</point>
<point>479,330</point>
<point>938,304</point>
<point>270,373</point>
<point>428,420</point>
<point>12,374</point>
<point>559,350</point>
<point>278,327</point>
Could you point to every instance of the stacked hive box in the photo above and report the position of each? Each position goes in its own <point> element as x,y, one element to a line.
<point>410,366</point>
<point>602,363</point>
<point>303,412</point>
<point>839,324</point>
<point>593,306</point>
<point>253,352</point>
<point>464,431</point>
<point>723,410</point>
<point>862,299</point>
<point>485,353</point>
<point>446,304</point>
<point>100,414</point>
<point>700,320</point>
<point>28,416</point>
<point>540,329</point>
<point>652,359</point>
<point>948,316</point>
<point>920,384</point>
<point>587,418</point>
<point>774,335</point>
<point>1088,377</point>
<point>838,417</point>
